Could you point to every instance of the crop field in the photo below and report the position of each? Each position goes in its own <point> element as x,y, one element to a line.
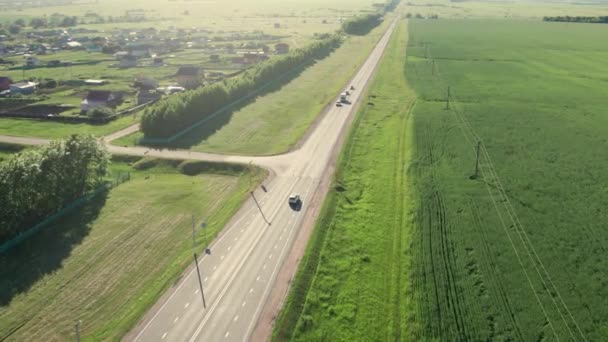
<point>108,262</point>
<point>359,291</point>
<point>518,252</point>
<point>413,245</point>
<point>274,122</point>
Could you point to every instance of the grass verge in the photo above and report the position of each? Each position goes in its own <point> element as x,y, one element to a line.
<point>352,284</point>
<point>109,262</point>
<point>275,122</point>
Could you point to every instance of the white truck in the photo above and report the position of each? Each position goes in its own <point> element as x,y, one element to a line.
<point>344,97</point>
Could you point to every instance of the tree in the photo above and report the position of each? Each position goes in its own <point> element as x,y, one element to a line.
<point>20,22</point>
<point>38,23</point>
<point>69,21</point>
<point>14,29</point>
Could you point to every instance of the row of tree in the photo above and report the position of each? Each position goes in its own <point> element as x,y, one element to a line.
<point>569,19</point>
<point>175,113</point>
<point>39,182</point>
<point>362,24</point>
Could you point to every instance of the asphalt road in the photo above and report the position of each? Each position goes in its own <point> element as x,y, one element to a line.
<point>239,273</point>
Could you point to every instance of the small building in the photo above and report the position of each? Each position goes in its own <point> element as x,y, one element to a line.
<point>281,48</point>
<point>5,83</point>
<point>73,45</point>
<point>32,61</point>
<point>145,82</point>
<point>120,55</point>
<point>188,76</point>
<point>24,88</point>
<point>95,82</point>
<point>99,98</point>
<point>143,50</point>
<point>128,62</point>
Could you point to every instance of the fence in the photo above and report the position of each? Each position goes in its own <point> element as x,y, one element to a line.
<point>120,178</point>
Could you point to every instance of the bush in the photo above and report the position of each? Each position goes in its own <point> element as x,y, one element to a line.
<point>361,25</point>
<point>100,113</point>
<point>39,182</point>
<point>194,167</point>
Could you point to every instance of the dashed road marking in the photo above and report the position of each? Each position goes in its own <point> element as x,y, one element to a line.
<point>243,303</point>
<point>264,267</point>
<point>196,291</point>
<point>236,318</point>
<point>275,246</point>
<point>222,257</point>
<point>164,335</point>
<point>257,279</point>
<point>229,247</point>
<point>187,305</point>
<point>176,319</point>
<point>227,334</point>
<point>206,279</point>
<point>270,256</point>
<point>251,290</point>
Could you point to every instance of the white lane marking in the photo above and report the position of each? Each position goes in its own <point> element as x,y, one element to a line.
<point>215,242</point>
<point>243,303</point>
<point>176,319</point>
<point>270,256</point>
<point>280,237</point>
<point>187,305</point>
<point>237,269</point>
<point>196,291</point>
<point>236,318</point>
<point>275,246</point>
<point>214,268</point>
<point>205,280</point>
<point>229,247</point>
<point>257,279</point>
<point>251,290</point>
<point>236,238</point>
<point>222,257</point>
<point>264,267</point>
<point>164,335</point>
<point>227,334</point>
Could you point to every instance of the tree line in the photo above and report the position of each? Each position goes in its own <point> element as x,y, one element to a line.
<point>38,182</point>
<point>362,24</point>
<point>174,113</point>
<point>569,19</point>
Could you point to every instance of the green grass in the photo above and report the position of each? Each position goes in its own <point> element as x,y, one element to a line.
<point>56,130</point>
<point>7,150</point>
<point>516,254</point>
<point>109,262</point>
<point>274,123</point>
<point>353,283</point>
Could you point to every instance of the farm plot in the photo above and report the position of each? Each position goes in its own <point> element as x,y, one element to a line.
<point>108,262</point>
<point>515,253</point>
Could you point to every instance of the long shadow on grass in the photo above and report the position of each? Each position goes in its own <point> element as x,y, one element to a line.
<point>42,254</point>
<point>201,133</point>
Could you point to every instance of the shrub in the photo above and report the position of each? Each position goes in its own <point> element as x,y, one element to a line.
<point>100,113</point>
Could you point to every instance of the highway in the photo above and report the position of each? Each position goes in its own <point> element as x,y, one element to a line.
<point>239,273</point>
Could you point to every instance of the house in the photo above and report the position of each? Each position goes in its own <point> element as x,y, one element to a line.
<point>99,98</point>
<point>188,76</point>
<point>143,50</point>
<point>120,55</point>
<point>73,45</point>
<point>145,82</point>
<point>5,83</point>
<point>281,48</point>
<point>95,82</point>
<point>32,61</point>
<point>24,88</point>
<point>128,62</point>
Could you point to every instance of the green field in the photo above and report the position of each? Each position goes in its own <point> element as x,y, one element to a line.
<point>56,130</point>
<point>411,247</point>
<point>355,265</point>
<point>107,263</point>
<point>273,123</point>
<point>517,253</point>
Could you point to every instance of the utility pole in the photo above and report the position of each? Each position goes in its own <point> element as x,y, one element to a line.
<point>200,283</point>
<point>447,101</point>
<point>477,161</point>
<point>193,236</point>
<point>77,328</point>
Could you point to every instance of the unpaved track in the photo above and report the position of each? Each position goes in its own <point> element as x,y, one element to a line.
<point>242,270</point>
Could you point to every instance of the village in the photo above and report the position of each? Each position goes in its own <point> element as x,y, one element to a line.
<point>68,73</point>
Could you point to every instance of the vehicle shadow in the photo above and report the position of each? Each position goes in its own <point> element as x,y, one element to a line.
<point>44,253</point>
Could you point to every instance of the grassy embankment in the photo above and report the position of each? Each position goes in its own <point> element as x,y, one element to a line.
<point>518,253</point>
<point>515,254</point>
<point>353,283</point>
<point>107,263</point>
<point>276,121</point>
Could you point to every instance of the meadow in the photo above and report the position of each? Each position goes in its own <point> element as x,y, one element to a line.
<point>108,262</point>
<point>353,282</point>
<point>517,252</point>
<point>412,244</point>
<point>274,122</point>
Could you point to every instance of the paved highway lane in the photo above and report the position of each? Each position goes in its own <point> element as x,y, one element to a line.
<point>241,270</point>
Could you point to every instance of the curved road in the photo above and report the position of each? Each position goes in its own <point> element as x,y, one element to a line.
<point>241,270</point>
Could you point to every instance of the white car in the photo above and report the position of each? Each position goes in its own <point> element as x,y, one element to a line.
<point>294,200</point>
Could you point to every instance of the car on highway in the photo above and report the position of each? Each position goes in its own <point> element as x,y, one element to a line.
<point>295,202</point>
